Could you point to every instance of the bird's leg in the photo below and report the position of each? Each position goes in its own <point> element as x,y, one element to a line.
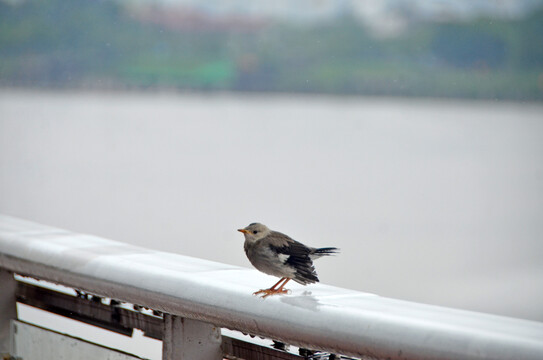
<point>277,283</point>
<point>273,290</point>
<point>281,290</point>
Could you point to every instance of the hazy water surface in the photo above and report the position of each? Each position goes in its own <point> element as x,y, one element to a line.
<point>432,201</point>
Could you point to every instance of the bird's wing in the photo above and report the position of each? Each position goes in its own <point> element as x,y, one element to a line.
<point>297,256</point>
<point>279,240</point>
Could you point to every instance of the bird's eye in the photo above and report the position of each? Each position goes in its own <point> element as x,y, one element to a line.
<point>254,232</point>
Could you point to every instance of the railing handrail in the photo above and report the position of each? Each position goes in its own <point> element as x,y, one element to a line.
<point>318,317</point>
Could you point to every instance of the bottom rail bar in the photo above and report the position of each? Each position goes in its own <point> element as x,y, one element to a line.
<point>89,310</point>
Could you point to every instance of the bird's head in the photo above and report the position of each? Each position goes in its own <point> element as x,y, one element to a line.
<point>255,232</point>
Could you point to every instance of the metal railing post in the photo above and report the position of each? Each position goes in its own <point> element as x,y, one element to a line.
<point>186,339</point>
<point>8,309</point>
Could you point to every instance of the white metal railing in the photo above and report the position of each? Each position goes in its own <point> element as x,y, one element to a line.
<point>198,296</point>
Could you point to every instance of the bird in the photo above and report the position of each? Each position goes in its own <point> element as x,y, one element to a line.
<point>277,254</point>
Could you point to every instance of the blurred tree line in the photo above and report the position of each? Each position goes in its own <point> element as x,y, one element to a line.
<point>83,43</point>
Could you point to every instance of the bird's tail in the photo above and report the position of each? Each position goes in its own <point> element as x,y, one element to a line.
<point>325,251</point>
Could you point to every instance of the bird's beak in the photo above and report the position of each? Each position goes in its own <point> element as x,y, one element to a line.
<point>243,231</point>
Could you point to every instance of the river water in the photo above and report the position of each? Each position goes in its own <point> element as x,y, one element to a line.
<point>429,200</point>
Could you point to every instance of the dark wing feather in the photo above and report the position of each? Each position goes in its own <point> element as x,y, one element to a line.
<point>298,257</point>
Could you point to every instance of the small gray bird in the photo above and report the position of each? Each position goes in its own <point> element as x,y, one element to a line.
<point>277,254</point>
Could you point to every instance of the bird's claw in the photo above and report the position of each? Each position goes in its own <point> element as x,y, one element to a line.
<point>270,292</point>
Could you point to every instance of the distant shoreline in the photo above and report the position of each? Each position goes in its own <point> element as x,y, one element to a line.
<point>253,94</point>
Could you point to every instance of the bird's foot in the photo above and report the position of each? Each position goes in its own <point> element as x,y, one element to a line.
<point>270,292</point>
